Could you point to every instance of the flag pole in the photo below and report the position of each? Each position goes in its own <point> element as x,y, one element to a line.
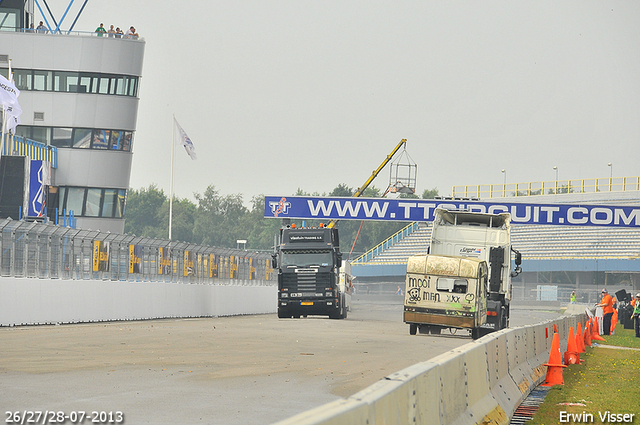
<point>173,148</point>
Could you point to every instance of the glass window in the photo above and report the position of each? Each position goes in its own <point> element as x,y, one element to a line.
<point>42,80</point>
<point>9,19</point>
<point>75,200</point>
<point>92,206</point>
<point>24,131</point>
<point>65,81</point>
<point>133,86</point>
<point>4,72</point>
<point>22,79</point>
<point>85,84</point>
<point>120,205</point>
<point>126,141</point>
<point>112,85</point>
<point>61,137</point>
<point>109,203</point>
<point>82,138</point>
<point>61,194</point>
<point>104,85</point>
<point>100,139</point>
<point>116,137</point>
<point>41,134</point>
<point>121,87</point>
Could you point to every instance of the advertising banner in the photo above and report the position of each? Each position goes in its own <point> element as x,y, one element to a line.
<point>164,261</point>
<point>135,258</point>
<point>100,256</point>
<point>407,209</point>
<point>213,265</point>
<point>189,264</point>
<point>38,181</point>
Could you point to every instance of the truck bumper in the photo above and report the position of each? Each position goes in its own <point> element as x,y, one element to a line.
<point>316,307</point>
<point>439,319</point>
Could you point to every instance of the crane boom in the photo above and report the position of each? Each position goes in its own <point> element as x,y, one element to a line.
<point>375,173</point>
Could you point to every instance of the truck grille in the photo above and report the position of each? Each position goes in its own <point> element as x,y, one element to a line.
<point>298,282</point>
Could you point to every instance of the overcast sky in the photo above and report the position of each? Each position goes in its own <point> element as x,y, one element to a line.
<point>280,95</point>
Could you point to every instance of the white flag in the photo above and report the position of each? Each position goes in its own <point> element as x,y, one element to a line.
<point>13,113</point>
<point>183,140</point>
<point>8,92</point>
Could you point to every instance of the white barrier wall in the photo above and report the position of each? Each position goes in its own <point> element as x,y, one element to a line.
<point>44,301</point>
<point>481,382</point>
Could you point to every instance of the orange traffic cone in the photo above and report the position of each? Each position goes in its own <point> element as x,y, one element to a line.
<point>580,339</point>
<point>554,366</point>
<point>614,321</point>
<point>555,328</point>
<point>595,332</point>
<point>571,356</point>
<point>587,334</point>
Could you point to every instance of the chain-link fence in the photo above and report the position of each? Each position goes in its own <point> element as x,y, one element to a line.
<point>47,251</point>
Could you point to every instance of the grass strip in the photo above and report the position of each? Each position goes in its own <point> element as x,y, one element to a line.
<point>608,380</point>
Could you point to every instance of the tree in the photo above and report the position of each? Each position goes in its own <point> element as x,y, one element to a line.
<point>342,190</point>
<point>218,218</point>
<point>142,211</point>
<point>430,193</point>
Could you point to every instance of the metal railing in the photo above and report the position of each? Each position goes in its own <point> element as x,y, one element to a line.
<point>21,146</point>
<point>555,187</point>
<point>387,243</point>
<point>47,251</point>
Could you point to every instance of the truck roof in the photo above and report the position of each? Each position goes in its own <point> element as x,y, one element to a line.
<point>458,217</point>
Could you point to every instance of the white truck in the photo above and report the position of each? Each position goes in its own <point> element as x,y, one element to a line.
<point>464,281</point>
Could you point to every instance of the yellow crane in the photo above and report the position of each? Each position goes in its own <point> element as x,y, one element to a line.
<point>375,173</point>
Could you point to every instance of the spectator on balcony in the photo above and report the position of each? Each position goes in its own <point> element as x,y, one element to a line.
<point>111,32</point>
<point>101,30</point>
<point>119,33</point>
<point>131,33</point>
<point>41,28</point>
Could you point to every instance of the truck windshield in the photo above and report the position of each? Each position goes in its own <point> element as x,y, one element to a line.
<point>306,258</point>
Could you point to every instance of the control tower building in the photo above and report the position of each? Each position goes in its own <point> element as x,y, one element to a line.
<point>79,94</point>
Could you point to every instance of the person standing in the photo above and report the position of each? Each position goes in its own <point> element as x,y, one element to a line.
<point>111,32</point>
<point>573,297</point>
<point>636,314</point>
<point>607,310</point>
<point>101,30</point>
<point>41,28</point>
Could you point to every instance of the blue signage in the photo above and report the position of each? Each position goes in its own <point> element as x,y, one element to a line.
<point>37,189</point>
<point>407,209</point>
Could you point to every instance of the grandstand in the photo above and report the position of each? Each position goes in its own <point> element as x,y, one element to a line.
<point>585,257</point>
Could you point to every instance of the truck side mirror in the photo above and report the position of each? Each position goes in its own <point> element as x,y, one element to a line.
<point>274,261</point>
<point>518,258</point>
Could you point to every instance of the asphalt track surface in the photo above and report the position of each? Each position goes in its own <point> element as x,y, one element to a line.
<point>227,370</point>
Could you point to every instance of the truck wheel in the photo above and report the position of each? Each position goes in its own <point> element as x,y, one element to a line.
<point>413,329</point>
<point>435,330</point>
<point>281,315</point>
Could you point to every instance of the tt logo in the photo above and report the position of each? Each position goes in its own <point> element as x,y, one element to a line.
<point>280,207</point>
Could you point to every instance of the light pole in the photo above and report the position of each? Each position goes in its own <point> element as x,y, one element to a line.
<point>504,185</point>
<point>555,167</point>
<point>610,170</point>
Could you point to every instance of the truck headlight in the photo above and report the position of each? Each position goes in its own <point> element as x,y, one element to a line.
<point>284,295</point>
<point>329,294</point>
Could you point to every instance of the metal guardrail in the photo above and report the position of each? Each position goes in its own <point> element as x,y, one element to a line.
<point>390,241</point>
<point>66,32</point>
<point>47,251</point>
<point>555,187</point>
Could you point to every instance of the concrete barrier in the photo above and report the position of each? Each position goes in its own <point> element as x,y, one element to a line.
<point>45,301</point>
<point>481,382</point>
